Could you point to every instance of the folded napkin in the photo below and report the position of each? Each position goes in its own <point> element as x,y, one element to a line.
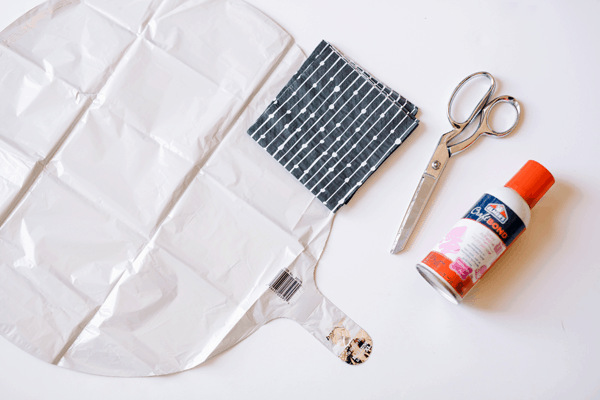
<point>333,124</point>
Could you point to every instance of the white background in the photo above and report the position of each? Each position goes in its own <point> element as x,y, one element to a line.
<point>531,328</point>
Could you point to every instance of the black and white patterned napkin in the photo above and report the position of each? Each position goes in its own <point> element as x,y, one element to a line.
<point>333,124</point>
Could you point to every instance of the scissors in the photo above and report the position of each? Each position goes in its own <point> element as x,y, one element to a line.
<point>445,150</point>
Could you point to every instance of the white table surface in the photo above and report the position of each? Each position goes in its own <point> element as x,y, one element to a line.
<point>531,329</point>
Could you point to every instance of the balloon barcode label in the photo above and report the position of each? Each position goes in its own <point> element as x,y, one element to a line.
<point>285,285</point>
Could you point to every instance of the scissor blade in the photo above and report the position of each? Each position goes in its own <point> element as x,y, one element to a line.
<point>416,207</point>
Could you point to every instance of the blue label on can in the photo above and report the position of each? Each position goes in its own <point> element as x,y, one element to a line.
<point>498,217</point>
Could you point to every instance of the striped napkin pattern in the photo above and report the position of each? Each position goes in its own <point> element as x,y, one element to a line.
<point>333,124</point>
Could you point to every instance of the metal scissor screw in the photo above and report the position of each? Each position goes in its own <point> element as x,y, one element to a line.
<point>435,165</point>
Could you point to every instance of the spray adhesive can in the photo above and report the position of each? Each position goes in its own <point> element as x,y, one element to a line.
<point>478,240</point>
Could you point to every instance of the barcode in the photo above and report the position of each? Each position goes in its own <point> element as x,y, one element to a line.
<point>285,285</point>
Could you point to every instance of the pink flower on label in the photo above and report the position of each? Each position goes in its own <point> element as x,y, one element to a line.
<point>461,268</point>
<point>451,243</point>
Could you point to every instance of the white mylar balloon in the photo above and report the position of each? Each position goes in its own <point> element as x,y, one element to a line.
<point>140,226</point>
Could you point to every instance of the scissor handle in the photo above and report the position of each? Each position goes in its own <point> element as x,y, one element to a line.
<point>488,110</point>
<point>484,127</point>
<point>459,126</point>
